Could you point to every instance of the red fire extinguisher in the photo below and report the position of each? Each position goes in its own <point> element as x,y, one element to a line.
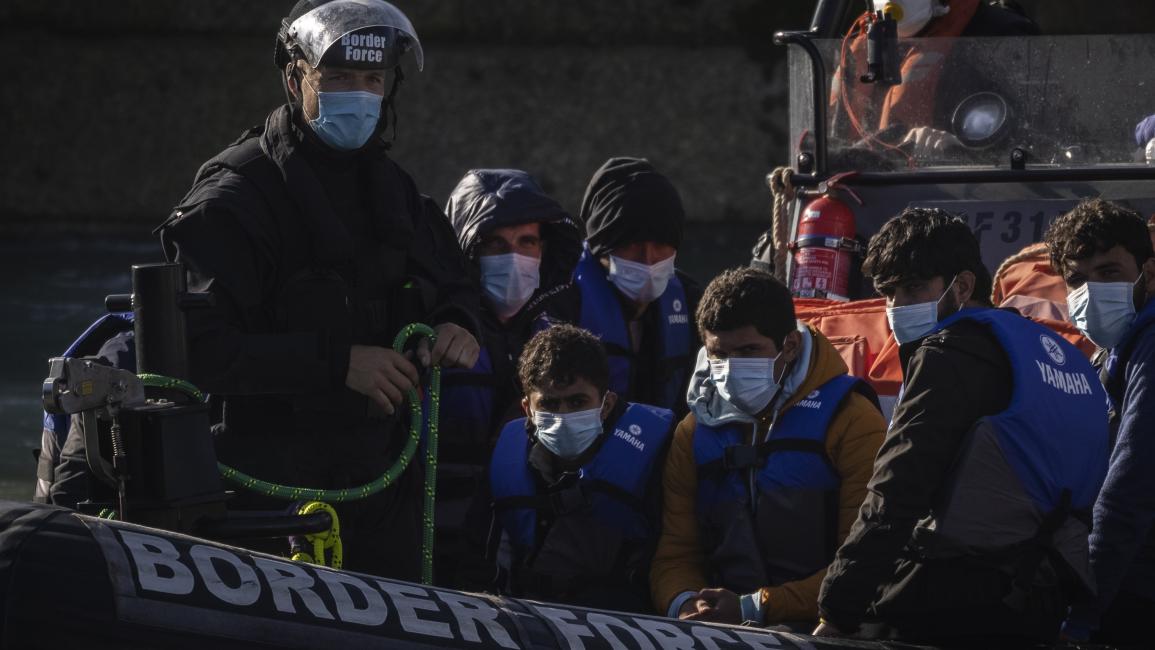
<point>824,250</point>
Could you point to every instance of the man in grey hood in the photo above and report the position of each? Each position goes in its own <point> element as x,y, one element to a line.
<point>765,475</point>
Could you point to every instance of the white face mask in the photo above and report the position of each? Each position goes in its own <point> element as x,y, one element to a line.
<point>641,282</point>
<point>567,435</point>
<point>915,14</point>
<point>1103,311</point>
<point>912,322</point>
<point>509,281</point>
<point>748,384</point>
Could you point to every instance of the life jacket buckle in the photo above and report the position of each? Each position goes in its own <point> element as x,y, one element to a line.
<point>740,457</point>
<point>568,500</point>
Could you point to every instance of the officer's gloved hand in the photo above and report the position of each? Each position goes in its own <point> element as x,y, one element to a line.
<point>455,348</point>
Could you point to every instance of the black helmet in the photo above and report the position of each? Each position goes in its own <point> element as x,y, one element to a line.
<point>347,33</point>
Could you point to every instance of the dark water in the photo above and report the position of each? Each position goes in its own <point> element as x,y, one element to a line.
<point>52,288</point>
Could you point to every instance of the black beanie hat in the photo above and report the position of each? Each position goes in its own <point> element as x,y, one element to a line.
<point>628,201</point>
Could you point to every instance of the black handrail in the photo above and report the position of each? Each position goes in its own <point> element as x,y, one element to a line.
<point>818,75</point>
<point>827,14</point>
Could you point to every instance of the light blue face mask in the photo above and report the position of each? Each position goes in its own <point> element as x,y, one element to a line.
<point>1103,311</point>
<point>641,282</point>
<point>912,322</point>
<point>567,435</point>
<point>509,280</point>
<point>747,383</point>
<point>346,120</point>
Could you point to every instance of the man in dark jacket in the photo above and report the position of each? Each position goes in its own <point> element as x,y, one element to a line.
<point>1105,256</point>
<point>520,245</point>
<point>318,249</point>
<point>626,289</point>
<point>972,530</point>
<point>576,483</point>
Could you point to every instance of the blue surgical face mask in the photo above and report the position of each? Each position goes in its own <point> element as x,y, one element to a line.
<point>912,322</point>
<point>641,282</point>
<point>509,280</point>
<point>1103,311</point>
<point>346,120</point>
<point>567,435</point>
<point>748,384</point>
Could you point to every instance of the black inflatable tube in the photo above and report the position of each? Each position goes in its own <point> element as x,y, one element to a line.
<point>69,580</point>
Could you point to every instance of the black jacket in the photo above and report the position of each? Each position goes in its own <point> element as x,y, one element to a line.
<point>952,379</point>
<point>306,251</point>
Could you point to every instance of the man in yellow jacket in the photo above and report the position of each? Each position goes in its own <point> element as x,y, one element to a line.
<point>765,475</point>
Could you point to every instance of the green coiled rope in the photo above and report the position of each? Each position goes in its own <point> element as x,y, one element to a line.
<point>293,493</point>
<point>171,383</point>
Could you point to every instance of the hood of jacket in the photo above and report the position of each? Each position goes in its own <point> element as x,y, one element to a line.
<point>485,199</point>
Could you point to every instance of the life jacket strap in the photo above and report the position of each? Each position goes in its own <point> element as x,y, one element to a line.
<point>740,457</point>
<point>570,499</point>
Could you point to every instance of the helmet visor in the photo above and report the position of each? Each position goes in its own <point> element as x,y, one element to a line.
<point>364,33</point>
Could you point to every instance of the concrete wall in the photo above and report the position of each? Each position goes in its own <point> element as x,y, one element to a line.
<point>110,106</point>
<point>114,104</point>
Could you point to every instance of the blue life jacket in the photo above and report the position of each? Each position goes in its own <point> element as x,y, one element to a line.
<point>611,489</point>
<point>1030,474</point>
<point>601,313</point>
<point>789,529</point>
<point>467,403</point>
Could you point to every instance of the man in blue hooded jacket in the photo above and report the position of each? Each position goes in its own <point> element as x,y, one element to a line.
<point>1104,254</point>
<point>520,245</point>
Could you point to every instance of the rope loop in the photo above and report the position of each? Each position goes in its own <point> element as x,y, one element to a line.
<point>781,186</point>
<point>416,426</point>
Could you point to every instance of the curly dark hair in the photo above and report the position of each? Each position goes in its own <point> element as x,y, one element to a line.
<point>747,296</point>
<point>923,243</point>
<point>559,356</point>
<point>1095,226</point>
